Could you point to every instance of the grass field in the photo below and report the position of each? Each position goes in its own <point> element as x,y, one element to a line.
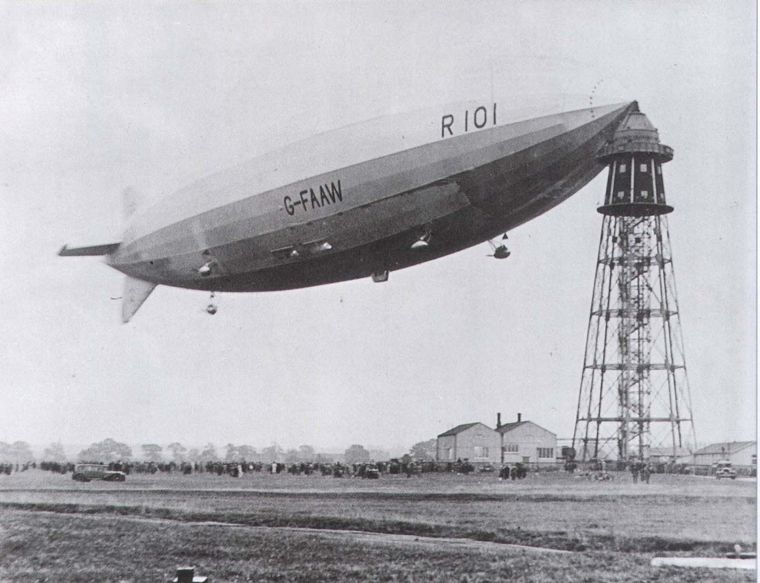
<point>435,527</point>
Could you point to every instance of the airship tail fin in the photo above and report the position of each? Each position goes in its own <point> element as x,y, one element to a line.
<point>136,291</point>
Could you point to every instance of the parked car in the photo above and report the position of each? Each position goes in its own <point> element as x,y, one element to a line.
<point>724,469</point>
<point>87,472</point>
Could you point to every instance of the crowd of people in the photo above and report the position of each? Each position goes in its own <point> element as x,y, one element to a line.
<point>335,469</point>
<point>639,470</point>
<point>516,472</point>
<point>239,468</point>
<point>7,469</point>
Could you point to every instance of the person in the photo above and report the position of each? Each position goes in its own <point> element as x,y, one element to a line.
<point>635,471</point>
<point>645,473</point>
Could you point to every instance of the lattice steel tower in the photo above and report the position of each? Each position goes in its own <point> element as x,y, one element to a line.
<point>634,392</point>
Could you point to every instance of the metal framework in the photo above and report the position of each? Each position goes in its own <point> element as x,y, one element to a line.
<point>634,393</point>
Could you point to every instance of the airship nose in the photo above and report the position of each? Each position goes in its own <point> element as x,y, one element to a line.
<point>542,85</point>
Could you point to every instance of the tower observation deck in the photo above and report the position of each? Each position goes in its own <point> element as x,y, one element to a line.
<point>634,394</point>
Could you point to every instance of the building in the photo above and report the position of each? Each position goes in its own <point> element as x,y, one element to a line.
<point>474,442</point>
<point>521,441</point>
<point>664,455</point>
<point>739,453</point>
<point>526,442</point>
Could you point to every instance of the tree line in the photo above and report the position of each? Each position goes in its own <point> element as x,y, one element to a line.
<point>110,450</point>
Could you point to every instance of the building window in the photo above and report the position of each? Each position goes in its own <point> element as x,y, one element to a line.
<point>450,453</point>
<point>622,169</point>
<point>643,167</point>
<point>480,451</point>
<point>546,452</point>
<point>754,459</point>
<point>511,448</point>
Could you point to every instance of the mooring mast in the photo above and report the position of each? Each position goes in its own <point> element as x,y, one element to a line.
<point>634,392</point>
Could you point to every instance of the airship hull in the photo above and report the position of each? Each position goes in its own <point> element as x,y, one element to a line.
<point>459,189</point>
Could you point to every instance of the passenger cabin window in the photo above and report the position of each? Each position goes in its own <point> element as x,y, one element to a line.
<point>622,168</point>
<point>644,168</point>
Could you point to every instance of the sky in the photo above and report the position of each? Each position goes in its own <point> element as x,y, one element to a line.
<point>100,96</point>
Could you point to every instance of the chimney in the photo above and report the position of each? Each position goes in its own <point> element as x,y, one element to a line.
<point>185,574</point>
<point>519,417</point>
<point>498,420</point>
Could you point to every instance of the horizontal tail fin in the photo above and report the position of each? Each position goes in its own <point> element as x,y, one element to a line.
<point>136,291</point>
<point>85,251</point>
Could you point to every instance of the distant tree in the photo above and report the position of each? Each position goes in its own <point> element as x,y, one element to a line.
<point>20,452</point>
<point>306,453</point>
<point>5,452</point>
<point>108,450</point>
<point>152,452</point>
<point>247,453</point>
<point>54,453</point>
<point>356,454</point>
<point>424,451</point>
<point>379,455</point>
<point>208,454</point>
<point>232,454</point>
<point>273,453</point>
<point>194,455</point>
<point>179,451</point>
<point>291,456</point>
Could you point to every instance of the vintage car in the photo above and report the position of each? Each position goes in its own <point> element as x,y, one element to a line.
<point>724,469</point>
<point>87,472</point>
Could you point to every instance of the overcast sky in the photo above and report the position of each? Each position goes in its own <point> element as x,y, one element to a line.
<point>98,96</point>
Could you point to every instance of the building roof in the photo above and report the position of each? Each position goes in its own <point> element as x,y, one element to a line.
<point>503,428</point>
<point>460,428</point>
<point>725,447</point>
<point>507,427</point>
<point>668,452</point>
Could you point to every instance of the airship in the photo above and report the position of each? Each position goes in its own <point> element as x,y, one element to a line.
<point>363,200</point>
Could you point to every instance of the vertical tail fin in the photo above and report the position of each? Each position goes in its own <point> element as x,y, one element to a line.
<point>136,291</point>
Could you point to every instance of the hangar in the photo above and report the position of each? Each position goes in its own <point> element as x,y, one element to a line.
<point>739,453</point>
